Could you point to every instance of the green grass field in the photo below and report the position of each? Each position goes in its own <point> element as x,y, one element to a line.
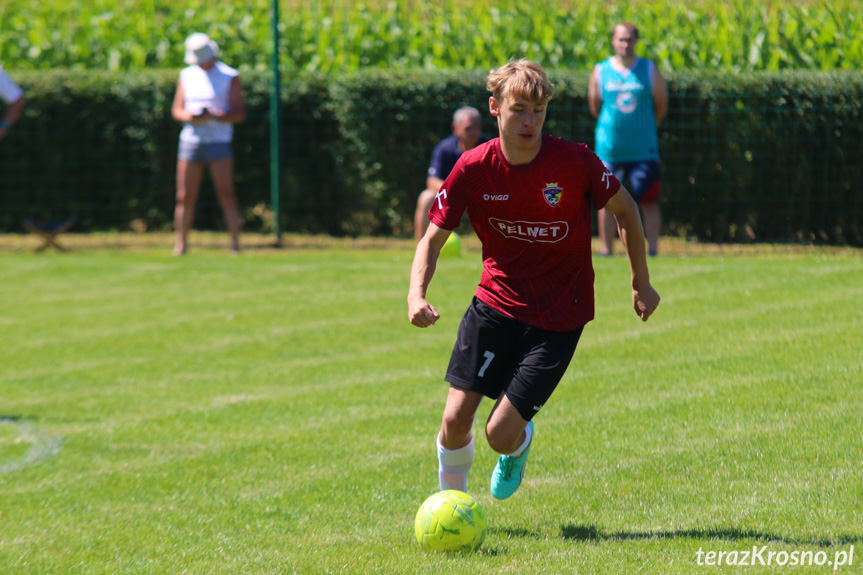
<point>275,413</point>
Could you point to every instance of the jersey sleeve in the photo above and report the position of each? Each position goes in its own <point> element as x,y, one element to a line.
<point>451,200</point>
<point>600,181</point>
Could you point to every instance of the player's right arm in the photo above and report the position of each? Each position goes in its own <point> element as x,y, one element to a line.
<point>420,312</point>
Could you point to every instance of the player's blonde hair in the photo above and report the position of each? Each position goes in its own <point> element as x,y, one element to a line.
<point>520,78</point>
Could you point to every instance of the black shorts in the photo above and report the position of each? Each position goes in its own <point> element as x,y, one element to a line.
<point>496,354</point>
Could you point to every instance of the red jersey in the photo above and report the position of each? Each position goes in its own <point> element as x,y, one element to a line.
<point>534,222</point>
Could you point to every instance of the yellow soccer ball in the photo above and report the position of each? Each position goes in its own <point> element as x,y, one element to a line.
<point>452,247</point>
<point>450,521</point>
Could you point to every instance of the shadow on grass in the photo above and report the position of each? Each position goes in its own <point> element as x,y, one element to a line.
<point>591,533</point>
<point>489,551</point>
<point>509,533</point>
<point>514,533</point>
<point>9,418</point>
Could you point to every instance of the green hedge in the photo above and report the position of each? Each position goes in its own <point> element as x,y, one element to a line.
<point>761,157</point>
<point>765,157</point>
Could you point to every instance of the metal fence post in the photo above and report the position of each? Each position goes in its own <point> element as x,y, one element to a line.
<point>275,129</point>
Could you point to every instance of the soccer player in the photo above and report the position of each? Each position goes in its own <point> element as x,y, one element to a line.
<point>13,95</point>
<point>466,134</point>
<point>528,197</point>
<point>628,96</point>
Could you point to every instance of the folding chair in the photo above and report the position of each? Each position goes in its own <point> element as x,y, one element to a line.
<point>49,231</point>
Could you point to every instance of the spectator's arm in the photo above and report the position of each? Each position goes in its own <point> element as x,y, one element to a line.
<point>13,111</point>
<point>594,94</point>
<point>433,183</point>
<point>237,112</point>
<point>178,108</point>
<point>660,96</point>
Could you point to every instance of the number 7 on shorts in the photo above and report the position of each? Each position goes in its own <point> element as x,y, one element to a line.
<point>488,357</point>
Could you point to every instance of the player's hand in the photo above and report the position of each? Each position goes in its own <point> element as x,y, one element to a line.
<point>645,301</point>
<point>421,313</point>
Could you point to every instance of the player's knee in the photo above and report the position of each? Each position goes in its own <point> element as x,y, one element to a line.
<point>499,443</point>
<point>457,422</point>
<point>501,440</point>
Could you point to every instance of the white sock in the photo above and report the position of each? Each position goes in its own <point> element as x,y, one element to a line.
<point>453,465</point>
<point>524,445</point>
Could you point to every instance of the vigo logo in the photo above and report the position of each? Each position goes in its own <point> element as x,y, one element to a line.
<point>548,232</point>
<point>495,198</point>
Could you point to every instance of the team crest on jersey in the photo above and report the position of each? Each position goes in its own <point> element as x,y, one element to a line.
<point>552,193</point>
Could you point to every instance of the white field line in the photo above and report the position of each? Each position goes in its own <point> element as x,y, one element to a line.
<point>42,445</point>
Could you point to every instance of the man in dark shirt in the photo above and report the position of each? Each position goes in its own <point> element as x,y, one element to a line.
<point>466,134</point>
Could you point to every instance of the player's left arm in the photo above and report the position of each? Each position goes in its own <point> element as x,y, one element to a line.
<point>645,299</point>
<point>660,96</point>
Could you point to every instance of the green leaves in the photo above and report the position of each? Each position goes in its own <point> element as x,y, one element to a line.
<point>336,36</point>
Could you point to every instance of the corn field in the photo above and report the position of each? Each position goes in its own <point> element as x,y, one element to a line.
<point>339,36</point>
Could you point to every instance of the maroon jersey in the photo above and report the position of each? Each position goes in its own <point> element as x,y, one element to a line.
<point>534,222</point>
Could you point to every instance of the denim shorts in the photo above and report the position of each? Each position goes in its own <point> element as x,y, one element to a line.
<point>204,153</point>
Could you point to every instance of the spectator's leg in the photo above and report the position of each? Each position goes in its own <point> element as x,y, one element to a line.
<point>652,219</point>
<point>421,217</point>
<point>222,171</point>
<point>607,231</point>
<point>189,176</point>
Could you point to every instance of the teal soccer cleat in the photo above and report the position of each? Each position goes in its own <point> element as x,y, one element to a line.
<point>509,471</point>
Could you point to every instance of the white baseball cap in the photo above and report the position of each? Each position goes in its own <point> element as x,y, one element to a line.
<point>199,48</point>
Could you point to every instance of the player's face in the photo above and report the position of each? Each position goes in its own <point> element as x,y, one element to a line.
<point>623,42</point>
<point>520,121</point>
<point>468,132</point>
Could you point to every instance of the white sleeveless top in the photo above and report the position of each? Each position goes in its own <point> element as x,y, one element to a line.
<point>207,89</point>
<point>9,90</point>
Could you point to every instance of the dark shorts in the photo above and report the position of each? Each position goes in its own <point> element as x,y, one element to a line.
<point>204,153</point>
<point>497,354</point>
<point>640,178</point>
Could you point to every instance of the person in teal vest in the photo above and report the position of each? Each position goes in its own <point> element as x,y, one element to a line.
<point>628,96</point>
